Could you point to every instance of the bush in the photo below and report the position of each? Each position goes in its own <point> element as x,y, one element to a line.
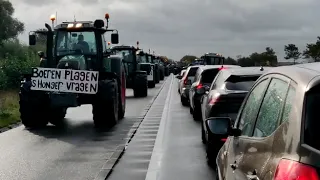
<point>15,60</point>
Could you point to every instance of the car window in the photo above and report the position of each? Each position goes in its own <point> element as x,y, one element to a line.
<point>251,108</point>
<point>208,75</point>
<point>218,80</point>
<point>239,86</point>
<point>312,123</point>
<point>192,71</point>
<point>289,102</point>
<point>269,113</point>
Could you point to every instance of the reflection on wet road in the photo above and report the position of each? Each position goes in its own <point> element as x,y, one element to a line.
<point>170,150</point>
<point>77,151</point>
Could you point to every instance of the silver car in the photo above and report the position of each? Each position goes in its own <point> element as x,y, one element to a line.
<point>186,82</point>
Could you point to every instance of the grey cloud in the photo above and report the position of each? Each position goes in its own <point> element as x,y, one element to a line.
<point>179,27</point>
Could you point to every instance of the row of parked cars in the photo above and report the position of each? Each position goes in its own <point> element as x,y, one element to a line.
<point>256,122</point>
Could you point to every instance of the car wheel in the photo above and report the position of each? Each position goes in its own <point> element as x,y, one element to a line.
<point>203,135</point>
<point>190,110</point>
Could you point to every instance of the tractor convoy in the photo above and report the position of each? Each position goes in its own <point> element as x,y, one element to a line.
<point>78,68</point>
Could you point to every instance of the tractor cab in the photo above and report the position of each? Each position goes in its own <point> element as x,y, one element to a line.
<point>212,59</point>
<point>77,45</point>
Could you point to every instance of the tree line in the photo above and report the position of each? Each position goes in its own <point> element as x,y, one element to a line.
<point>15,57</point>
<point>269,57</point>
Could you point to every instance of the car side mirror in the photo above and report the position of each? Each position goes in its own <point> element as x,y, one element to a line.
<point>179,77</point>
<point>115,38</point>
<point>235,132</point>
<point>32,39</point>
<point>219,125</point>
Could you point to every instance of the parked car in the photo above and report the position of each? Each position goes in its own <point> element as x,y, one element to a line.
<point>275,136</point>
<point>179,77</point>
<point>186,82</point>
<point>224,99</point>
<point>203,78</point>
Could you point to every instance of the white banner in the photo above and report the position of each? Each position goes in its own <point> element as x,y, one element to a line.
<point>65,80</point>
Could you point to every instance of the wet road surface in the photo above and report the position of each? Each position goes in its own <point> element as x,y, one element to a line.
<point>77,151</point>
<point>170,150</point>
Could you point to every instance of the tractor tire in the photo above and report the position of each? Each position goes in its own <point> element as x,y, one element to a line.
<point>166,71</point>
<point>33,107</point>
<point>57,115</point>
<point>105,108</point>
<point>157,80</point>
<point>151,84</point>
<point>184,101</point>
<point>140,88</point>
<point>122,108</point>
<point>161,75</point>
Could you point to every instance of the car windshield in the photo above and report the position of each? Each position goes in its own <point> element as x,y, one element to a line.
<point>69,43</point>
<point>192,71</point>
<point>239,86</point>
<point>207,76</point>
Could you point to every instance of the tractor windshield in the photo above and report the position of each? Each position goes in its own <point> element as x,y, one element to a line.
<point>75,43</point>
<point>213,60</point>
<point>142,58</point>
<point>150,59</point>
<point>125,53</point>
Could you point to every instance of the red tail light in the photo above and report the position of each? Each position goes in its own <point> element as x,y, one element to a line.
<point>224,139</point>
<point>292,170</point>
<point>222,68</point>
<point>199,86</point>
<point>214,99</point>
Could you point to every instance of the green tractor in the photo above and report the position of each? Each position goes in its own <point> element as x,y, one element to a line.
<point>161,67</point>
<point>151,59</point>
<point>137,73</point>
<point>75,70</point>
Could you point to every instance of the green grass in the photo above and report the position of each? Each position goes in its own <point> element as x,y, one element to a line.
<point>9,108</point>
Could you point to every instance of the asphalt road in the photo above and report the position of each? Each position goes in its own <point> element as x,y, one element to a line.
<point>77,151</point>
<point>167,145</point>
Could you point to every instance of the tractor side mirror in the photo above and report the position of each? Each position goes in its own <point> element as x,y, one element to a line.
<point>41,54</point>
<point>115,38</point>
<point>32,39</point>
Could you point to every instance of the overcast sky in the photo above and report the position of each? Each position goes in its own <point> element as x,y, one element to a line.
<point>178,27</point>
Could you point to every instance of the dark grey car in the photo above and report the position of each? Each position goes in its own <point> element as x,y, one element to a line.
<point>276,134</point>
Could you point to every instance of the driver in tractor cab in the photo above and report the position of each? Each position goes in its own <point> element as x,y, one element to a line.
<point>84,45</point>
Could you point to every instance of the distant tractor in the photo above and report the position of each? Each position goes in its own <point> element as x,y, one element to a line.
<point>151,59</point>
<point>211,59</point>
<point>75,70</point>
<point>137,73</point>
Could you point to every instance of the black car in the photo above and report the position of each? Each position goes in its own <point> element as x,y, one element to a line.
<point>203,78</point>
<point>223,99</point>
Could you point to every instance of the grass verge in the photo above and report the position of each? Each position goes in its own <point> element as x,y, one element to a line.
<point>9,108</point>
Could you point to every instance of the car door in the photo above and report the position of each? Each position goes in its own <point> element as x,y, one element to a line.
<point>245,121</point>
<point>257,147</point>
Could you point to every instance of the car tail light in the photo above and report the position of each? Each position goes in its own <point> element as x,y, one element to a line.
<point>214,99</point>
<point>222,68</point>
<point>199,86</point>
<point>223,139</point>
<point>292,170</point>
